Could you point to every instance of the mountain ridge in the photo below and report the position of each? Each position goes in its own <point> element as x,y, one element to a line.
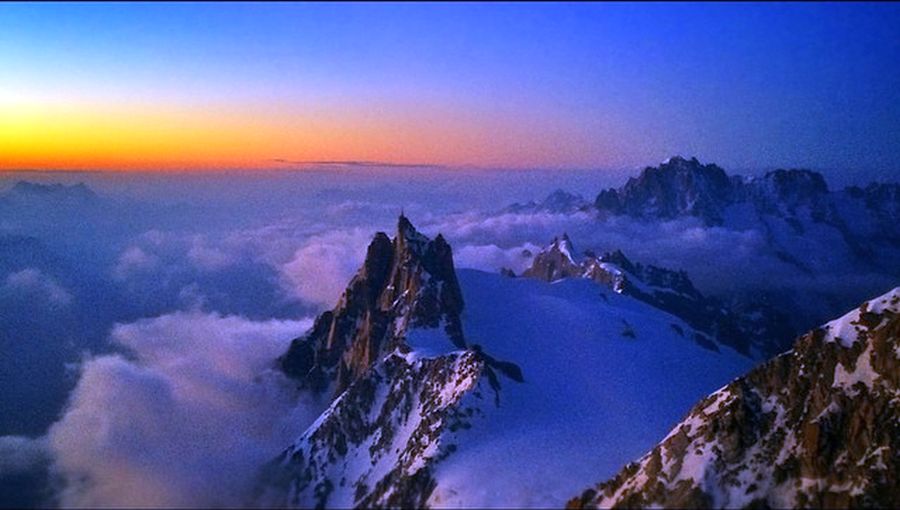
<point>758,330</point>
<point>813,427</point>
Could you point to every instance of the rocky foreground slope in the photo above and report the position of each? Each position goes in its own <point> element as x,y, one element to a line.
<point>818,426</point>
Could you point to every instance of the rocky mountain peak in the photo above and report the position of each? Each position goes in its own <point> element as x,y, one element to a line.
<point>797,179</point>
<point>677,162</point>
<point>618,258</point>
<point>408,235</point>
<point>677,187</point>
<point>555,262</point>
<point>561,201</point>
<point>563,244</point>
<point>613,269</point>
<point>685,187</point>
<point>405,282</point>
<point>689,168</point>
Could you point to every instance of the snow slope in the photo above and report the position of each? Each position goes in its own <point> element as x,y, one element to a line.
<point>603,374</point>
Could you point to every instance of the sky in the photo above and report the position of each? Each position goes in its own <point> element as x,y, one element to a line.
<point>212,86</point>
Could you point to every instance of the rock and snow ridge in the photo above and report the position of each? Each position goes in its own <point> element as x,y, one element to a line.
<point>682,187</point>
<point>816,427</point>
<point>501,420</point>
<point>757,332</point>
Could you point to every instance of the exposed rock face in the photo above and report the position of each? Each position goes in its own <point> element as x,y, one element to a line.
<point>677,187</point>
<point>406,282</point>
<point>759,328</point>
<point>787,188</point>
<point>882,202</point>
<point>680,187</point>
<point>555,262</point>
<point>816,427</point>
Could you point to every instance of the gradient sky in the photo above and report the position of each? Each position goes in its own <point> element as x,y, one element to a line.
<point>172,86</point>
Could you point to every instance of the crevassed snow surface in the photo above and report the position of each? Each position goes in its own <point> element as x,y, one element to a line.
<point>593,399</point>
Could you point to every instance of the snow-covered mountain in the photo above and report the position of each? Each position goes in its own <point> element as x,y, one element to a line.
<point>489,404</point>
<point>806,224</point>
<point>756,329</point>
<point>815,427</point>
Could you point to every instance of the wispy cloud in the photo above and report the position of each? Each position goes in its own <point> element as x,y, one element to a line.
<point>355,163</point>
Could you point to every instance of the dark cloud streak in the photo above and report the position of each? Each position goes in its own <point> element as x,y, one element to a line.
<point>356,163</point>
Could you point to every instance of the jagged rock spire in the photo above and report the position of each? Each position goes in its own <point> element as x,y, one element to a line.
<point>409,281</point>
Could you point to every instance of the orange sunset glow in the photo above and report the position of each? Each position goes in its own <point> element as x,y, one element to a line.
<point>81,137</point>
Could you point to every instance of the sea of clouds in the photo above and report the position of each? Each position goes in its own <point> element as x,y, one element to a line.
<point>141,325</point>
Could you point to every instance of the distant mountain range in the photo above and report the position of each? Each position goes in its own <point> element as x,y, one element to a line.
<point>805,222</point>
<point>843,243</point>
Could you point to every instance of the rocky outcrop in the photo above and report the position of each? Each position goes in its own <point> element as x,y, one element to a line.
<point>785,188</point>
<point>758,329</point>
<point>816,427</point>
<point>555,262</point>
<point>406,282</point>
<point>882,203</point>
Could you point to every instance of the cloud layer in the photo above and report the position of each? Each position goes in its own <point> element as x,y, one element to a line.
<point>185,418</point>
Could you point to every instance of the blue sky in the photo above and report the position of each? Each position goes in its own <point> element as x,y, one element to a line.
<point>564,84</point>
